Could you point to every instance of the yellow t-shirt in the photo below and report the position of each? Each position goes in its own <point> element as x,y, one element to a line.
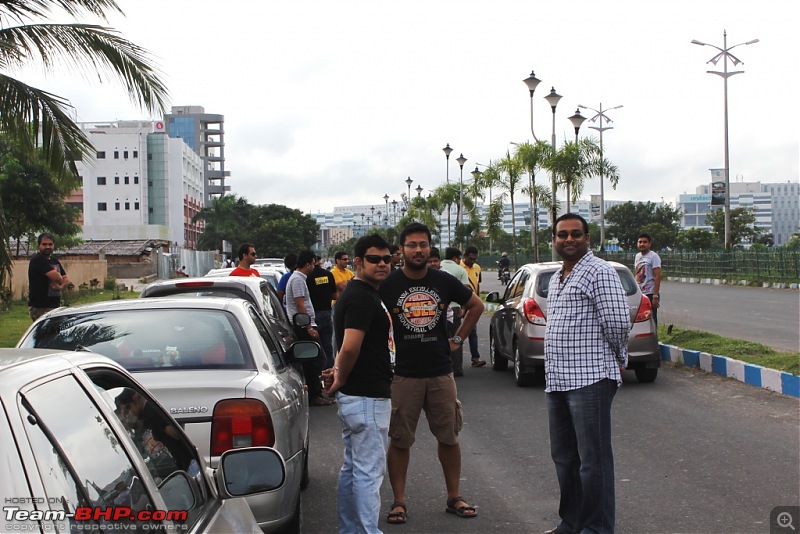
<point>474,274</point>
<point>341,275</point>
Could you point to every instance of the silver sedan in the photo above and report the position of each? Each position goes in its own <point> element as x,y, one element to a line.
<point>216,366</point>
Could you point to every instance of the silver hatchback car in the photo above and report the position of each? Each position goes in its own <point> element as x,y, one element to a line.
<point>218,368</point>
<point>516,331</point>
<point>77,457</point>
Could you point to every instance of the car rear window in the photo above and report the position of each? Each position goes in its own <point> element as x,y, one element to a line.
<point>162,339</point>
<point>628,283</point>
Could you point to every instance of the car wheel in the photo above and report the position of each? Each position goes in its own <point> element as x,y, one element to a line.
<point>646,375</point>
<point>498,362</point>
<point>522,378</point>
<point>295,525</point>
<point>304,478</point>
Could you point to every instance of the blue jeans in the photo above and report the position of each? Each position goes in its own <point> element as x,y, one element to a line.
<point>365,435</point>
<point>324,321</point>
<point>473,343</point>
<point>580,445</point>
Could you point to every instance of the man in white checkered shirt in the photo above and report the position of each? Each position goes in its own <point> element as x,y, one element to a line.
<point>585,346</point>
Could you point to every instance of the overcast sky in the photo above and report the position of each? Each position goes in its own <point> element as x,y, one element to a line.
<point>337,103</point>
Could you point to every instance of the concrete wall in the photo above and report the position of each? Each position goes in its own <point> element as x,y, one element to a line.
<point>139,269</point>
<point>78,271</point>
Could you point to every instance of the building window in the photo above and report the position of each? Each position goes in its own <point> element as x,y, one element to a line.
<point>150,183</point>
<point>116,206</point>
<point>127,180</point>
<point>136,206</point>
<point>149,210</point>
<point>101,180</point>
<point>135,153</point>
<point>127,206</point>
<point>116,154</point>
<point>101,154</point>
<point>101,206</point>
<point>116,180</point>
<point>125,154</point>
<point>135,179</point>
<point>149,157</point>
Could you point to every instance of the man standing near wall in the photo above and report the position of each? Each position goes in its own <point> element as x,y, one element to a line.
<point>46,278</point>
<point>470,264</point>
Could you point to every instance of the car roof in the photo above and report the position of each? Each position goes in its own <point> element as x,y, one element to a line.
<point>207,281</point>
<point>557,264</point>
<point>215,303</point>
<point>45,361</point>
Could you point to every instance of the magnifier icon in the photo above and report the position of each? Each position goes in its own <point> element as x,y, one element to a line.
<point>784,520</point>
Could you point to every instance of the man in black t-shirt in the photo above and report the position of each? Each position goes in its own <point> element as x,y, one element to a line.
<point>361,378</point>
<point>322,289</point>
<point>46,278</point>
<point>417,298</point>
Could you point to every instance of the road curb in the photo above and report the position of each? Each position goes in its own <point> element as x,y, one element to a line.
<point>751,374</point>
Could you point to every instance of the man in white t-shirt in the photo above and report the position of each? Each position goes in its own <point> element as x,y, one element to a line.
<point>648,272</point>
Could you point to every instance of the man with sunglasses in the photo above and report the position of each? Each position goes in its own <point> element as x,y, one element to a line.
<point>417,298</point>
<point>585,346</point>
<point>247,257</point>
<point>361,378</point>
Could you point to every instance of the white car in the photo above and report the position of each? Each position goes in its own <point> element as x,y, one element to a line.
<point>75,458</point>
<point>269,274</point>
<point>216,365</point>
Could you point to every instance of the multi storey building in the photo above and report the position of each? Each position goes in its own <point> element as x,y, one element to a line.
<point>140,185</point>
<point>205,134</point>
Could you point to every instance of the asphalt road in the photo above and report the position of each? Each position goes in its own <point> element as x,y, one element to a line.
<point>694,453</point>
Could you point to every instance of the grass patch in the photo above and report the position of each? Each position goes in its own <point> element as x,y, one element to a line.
<point>737,349</point>
<point>15,321</point>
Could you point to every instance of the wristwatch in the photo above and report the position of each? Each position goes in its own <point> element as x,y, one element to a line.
<point>457,340</point>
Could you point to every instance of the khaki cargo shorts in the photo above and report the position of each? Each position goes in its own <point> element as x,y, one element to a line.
<point>437,396</point>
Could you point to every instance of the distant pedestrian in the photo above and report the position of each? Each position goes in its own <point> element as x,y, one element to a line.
<point>322,289</point>
<point>327,265</point>
<point>417,297</point>
<point>451,264</point>
<point>648,272</point>
<point>228,263</point>
<point>361,379</point>
<point>247,257</point>
<point>434,260</point>
<point>341,273</point>
<point>290,261</point>
<point>470,263</point>
<point>397,256</point>
<point>298,300</point>
<point>585,347</point>
<point>46,278</point>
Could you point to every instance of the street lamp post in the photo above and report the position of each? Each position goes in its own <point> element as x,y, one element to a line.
<point>386,213</point>
<point>576,121</point>
<point>394,212</point>
<point>447,150</point>
<point>553,99</point>
<point>419,190</point>
<point>600,116</point>
<point>461,161</point>
<point>409,181</point>
<point>724,54</point>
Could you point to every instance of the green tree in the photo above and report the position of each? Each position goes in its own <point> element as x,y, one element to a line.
<point>743,225</point>
<point>30,115</point>
<point>533,158</point>
<point>574,163</point>
<point>626,221</point>
<point>277,230</point>
<point>34,200</point>
<point>227,218</point>
<point>697,240</point>
<point>509,172</point>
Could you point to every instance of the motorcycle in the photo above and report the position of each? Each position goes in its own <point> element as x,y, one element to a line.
<point>503,274</point>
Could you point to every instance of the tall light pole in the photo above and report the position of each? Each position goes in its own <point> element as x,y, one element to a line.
<point>447,150</point>
<point>600,116</point>
<point>724,54</point>
<point>409,181</point>
<point>576,121</point>
<point>461,161</point>
<point>386,213</point>
<point>553,99</point>
<point>394,212</point>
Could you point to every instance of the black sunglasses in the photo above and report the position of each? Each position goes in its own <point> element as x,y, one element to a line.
<point>374,258</point>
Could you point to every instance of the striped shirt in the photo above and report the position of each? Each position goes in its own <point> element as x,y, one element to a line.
<point>588,322</point>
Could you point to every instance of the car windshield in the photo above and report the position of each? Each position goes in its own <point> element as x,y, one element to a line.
<point>628,283</point>
<point>139,340</point>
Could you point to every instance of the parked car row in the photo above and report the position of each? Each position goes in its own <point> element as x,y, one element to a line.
<point>517,327</point>
<point>221,357</point>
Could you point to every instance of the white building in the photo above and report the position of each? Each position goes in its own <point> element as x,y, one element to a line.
<point>142,184</point>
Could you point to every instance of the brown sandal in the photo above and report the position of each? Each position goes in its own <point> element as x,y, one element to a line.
<point>460,511</point>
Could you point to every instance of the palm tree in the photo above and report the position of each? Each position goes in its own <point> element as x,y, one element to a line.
<point>534,157</point>
<point>573,164</point>
<point>510,181</point>
<point>225,219</point>
<point>28,114</point>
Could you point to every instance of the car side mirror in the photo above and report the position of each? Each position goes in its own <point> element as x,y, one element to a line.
<point>301,319</point>
<point>494,296</point>
<point>305,350</point>
<point>178,491</point>
<point>249,471</point>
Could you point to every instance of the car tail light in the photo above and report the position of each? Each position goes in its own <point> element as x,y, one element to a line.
<point>533,312</point>
<point>201,283</point>
<point>240,423</point>
<point>645,310</point>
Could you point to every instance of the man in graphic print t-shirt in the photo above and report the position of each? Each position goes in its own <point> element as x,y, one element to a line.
<point>417,299</point>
